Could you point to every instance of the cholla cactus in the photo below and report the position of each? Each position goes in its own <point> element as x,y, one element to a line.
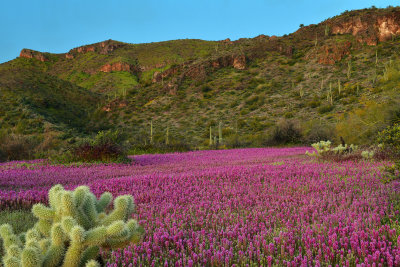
<point>71,230</point>
<point>322,147</point>
<point>340,149</point>
<point>367,154</point>
<point>353,148</point>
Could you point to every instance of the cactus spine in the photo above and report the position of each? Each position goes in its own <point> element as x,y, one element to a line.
<point>71,230</point>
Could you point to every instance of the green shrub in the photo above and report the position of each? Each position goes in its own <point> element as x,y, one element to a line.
<point>325,109</point>
<point>362,125</point>
<point>390,137</point>
<point>285,132</point>
<point>72,230</point>
<point>316,131</point>
<point>106,146</point>
<point>18,147</point>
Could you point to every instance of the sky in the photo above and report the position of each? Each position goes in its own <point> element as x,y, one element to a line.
<point>57,26</point>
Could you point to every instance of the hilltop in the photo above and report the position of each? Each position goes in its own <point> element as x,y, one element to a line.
<point>338,77</point>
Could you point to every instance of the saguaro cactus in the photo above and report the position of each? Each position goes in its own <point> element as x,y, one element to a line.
<point>71,230</point>
<point>349,69</point>
<point>151,132</point>
<point>211,141</point>
<point>326,30</point>
<point>167,136</point>
<point>220,133</point>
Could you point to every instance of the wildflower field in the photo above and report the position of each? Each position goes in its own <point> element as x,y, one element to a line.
<point>240,207</point>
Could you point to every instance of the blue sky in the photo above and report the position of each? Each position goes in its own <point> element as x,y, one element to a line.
<point>59,25</point>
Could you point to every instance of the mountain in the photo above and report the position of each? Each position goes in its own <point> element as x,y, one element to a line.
<point>341,74</point>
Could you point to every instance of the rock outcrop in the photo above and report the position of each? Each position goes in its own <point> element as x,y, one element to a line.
<point>331,53</point>
<point>28,53</point>
<point>369,28</point>
<point>69,56</point>
<point>199,70</point>
<point>117,66</point>
<point>104,48</point>
<point>239,62</point>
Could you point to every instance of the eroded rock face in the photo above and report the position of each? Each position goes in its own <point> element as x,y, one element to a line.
<point>104,47</point>
<point>369,29</point>
<point>200,70</point>
<point>69,56</point>
<point>159,76</point>
<point>118,66</point>
<point>28,53</point>
<point>330,54</point>
<point>239,62</point>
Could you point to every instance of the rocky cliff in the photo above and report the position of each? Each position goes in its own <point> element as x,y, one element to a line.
<point>369,27</point>
<point>104,48</point>
<point>28,53</point>
<point>117,66</point>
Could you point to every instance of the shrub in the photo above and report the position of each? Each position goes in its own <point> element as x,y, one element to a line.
<point>3,156</point>
<point>325,109</point>
<point>72,230</point>
<point>316,131</point>
<point>106,146</point>
<point>17,147</point>
<point>285,132</point>
<point>390,137</point>
<point>363,125</point>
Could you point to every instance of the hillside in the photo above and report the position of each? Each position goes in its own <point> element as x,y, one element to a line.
<point>340,76</point>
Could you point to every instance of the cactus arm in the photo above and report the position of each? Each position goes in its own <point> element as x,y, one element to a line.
<point>42,212</point>
<point>96,236</point>
<point>92,263</point>
<point>44,227</point>
<point>103,202</point>
<point>73,254</point>
<point>121,206</point>
<point>54,256</point>
<point>89,208</point>
<point>89,255</point>
<point>10,261</point>
<point>30,258</point>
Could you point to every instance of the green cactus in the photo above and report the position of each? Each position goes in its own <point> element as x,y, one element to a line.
<point>71,231</point>
<point>301,91</point>
<point>327,30</point>
<point>211,141</point>
<point>348,69</point>
<point>220,133</point>
<point>151,132</point>
<point>167,136</point>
